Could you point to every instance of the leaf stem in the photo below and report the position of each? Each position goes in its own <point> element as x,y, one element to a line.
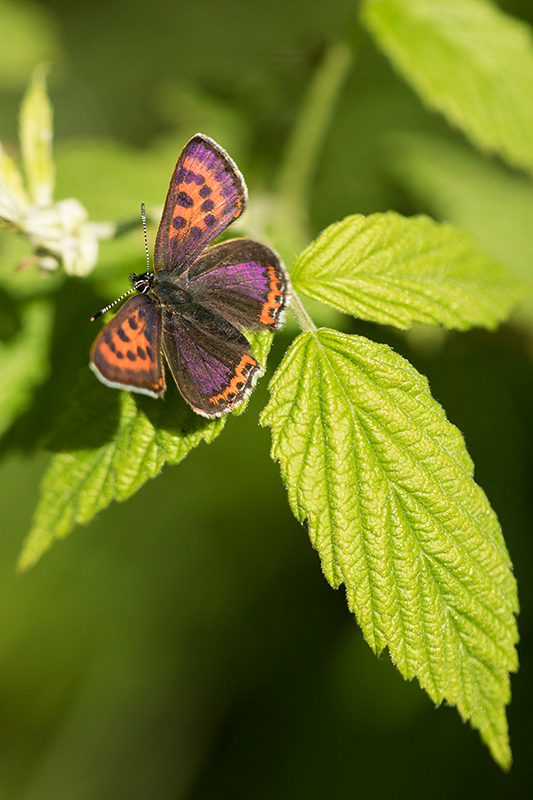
<point>302,317</point>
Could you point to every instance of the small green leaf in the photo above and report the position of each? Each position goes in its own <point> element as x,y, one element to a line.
<point>397,270</point>
<point>261,342</point>
<point>467,59</point>
<point>36,132</point>
<point>385,483</point>
<point>479,195</point>
<point>109,444</point>
<point>23,357</point>
<point>13,199</point>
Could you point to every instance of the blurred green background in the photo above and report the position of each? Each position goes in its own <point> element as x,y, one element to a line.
<point>185,644</point>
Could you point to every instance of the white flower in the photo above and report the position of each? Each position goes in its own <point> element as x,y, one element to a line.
<point>63,230</point>
<point>60,232</point>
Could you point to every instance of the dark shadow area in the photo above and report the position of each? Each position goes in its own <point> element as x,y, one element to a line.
<point>10,318</point>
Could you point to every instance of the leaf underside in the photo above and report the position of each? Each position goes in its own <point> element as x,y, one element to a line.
<point>385,484</point>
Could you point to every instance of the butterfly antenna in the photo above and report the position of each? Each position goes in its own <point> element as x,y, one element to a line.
<point>103,311</point>
<point>143,217</point>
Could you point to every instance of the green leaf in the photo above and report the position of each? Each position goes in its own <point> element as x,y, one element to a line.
<point>23,356</point>
<point>36,132</point>
<point>478,195</point>
<point>261,342</point>
<point>385,483</point>
<point>109,444</point>
<point>397,270</point>
<point>467,59</point>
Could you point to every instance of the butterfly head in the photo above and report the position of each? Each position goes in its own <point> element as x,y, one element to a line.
<point>142,283</point>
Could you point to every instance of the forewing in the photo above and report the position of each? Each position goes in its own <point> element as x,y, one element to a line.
<point>206,193</point>
<point>243,281</point>
<point>127,352</point>
<point>210,360</point>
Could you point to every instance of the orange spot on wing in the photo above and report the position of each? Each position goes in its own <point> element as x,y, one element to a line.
<point>123,353</point>
<point>202,204</point>
<point>243,374</point>
<point>274,299</point>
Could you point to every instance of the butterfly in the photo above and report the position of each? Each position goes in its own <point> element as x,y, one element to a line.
<point>197,301</point>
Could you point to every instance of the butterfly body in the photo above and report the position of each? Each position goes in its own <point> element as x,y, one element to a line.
<point>195,304</point>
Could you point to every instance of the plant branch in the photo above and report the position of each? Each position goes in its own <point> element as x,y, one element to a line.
<point>307,138</point>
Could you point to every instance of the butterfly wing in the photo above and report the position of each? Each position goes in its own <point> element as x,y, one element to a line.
<point>127,352</point>
<point>243,281</point>
<point>210,360</point>
<point>206,193</point>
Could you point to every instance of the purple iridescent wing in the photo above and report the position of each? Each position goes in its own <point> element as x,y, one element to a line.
<point>210,360</point>
<point>206,193</point>
<point>243,281</point>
